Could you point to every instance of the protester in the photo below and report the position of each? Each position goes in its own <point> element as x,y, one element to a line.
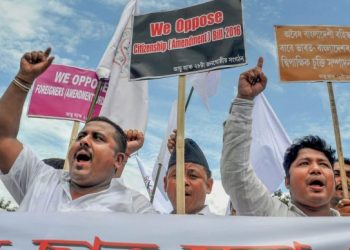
<point>308,163</point>
<point>338,202</point>
<point>198,180</point>
<point>94,157</point>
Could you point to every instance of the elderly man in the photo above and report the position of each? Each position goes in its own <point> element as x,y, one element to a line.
<point>198,181</point>
<point>94,158</point>
<point>308,163</point>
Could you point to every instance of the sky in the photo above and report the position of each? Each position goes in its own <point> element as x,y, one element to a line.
<point>79,31</point>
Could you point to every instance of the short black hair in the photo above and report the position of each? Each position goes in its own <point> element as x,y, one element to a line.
<point>310,141</point>
<point>346,161</point>
<point>120,137</point>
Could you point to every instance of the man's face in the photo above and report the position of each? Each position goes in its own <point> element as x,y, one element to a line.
<point>197,185</point>
<point>92,157</point>
<point>311,181</point>
<point>338,186</point>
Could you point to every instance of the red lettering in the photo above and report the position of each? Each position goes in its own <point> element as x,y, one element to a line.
<point>219,17</point>
<point>194,23</point>
<point>160,29</point>
<point>98,244</point>
<point>211,19</point>
<point>233,31</point>
<point>299,246</point>
<point>179,25</point>
<point>57,244</point>
<point>5,243</point>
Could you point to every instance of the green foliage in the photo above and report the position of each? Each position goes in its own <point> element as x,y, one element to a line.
<point>6,205</point>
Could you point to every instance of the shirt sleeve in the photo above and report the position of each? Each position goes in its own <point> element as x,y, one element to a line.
<point>247,193</point>
<point>22,174</point>
<point>142,205</point>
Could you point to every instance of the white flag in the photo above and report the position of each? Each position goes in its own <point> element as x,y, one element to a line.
<point>126,103</point>
<point>164,155</point>
<point>159,203</point>
<point>269,142</point>
<point>205,84</point>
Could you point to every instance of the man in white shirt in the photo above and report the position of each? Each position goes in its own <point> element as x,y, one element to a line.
<point>94,158</point>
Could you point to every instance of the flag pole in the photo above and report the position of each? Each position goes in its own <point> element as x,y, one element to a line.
<point>94,100</point>
<point>180,164</point>
<point>160,165</point>
<point>344,181</point>
<point>73,136</point>
<point>155,183</point>
<point>189,98</point>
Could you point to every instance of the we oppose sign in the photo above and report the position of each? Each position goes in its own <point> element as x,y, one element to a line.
<point>65,92</point>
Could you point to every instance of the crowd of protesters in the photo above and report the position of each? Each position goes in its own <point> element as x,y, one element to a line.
<point>98,156</point>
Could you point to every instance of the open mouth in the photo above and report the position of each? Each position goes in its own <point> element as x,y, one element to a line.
<point>316,183</point>
<point>187,194</point>
<point>83,156</point>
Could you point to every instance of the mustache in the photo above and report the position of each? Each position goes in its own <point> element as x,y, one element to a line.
<point>340,187</point>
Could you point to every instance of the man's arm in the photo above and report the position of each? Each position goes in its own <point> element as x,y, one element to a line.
<point>135,140</point>
<point>246,191</point>
<point>32,64</point>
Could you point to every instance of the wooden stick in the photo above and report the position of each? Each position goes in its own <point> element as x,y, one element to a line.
<point>180,152</point>
<point>73,136</point>
<point>343,177</point>
<point>160,164</point>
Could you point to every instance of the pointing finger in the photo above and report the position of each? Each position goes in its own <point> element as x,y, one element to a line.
<point>47,52</point>
<point>260,62</point>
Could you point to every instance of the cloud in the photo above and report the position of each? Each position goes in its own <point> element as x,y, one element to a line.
<point>148,6</point>
<point>32,25</point>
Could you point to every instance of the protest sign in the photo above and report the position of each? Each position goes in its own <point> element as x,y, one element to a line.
<point>199,38</point>
<point>65,92</point>
<point>313,53</point>
<point>96,230</point>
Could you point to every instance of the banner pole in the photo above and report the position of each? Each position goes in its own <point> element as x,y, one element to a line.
<point>73,136</point>
<point>160,165</point>
<point>180,162</point>
<point>344,181</point>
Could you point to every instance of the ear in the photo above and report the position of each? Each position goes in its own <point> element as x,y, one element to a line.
<point>119,162</point>
<point>287,182</point>
<point>209,184</point>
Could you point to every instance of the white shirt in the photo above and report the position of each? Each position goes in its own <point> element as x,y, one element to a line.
<point>38,187</point>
